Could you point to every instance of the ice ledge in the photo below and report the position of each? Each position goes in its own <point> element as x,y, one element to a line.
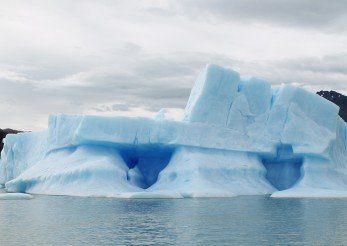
<point>310,193</point>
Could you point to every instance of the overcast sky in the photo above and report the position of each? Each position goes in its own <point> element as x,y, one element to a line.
<point>110,57</point>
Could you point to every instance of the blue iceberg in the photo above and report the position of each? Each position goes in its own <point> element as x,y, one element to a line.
<point>237,137</point>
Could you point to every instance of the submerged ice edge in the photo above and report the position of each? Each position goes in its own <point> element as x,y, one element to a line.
<point>15,196</point>
<point>236,137</point>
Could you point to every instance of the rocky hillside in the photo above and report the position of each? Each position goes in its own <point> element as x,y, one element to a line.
<point>337,98</point>
<point>3,133</point>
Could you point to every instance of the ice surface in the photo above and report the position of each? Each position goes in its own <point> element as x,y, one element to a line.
<point>15,196</point>
<point>238,136</point>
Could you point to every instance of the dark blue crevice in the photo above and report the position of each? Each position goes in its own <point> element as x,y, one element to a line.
<point>145,162</point>
<point>284,170</point>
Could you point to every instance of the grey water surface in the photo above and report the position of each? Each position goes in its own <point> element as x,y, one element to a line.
<point>244,220</point>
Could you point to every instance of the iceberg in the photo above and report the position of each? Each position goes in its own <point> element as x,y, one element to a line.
<point>237,136</point>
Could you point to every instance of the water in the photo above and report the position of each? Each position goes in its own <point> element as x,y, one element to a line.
<point>245,220</point>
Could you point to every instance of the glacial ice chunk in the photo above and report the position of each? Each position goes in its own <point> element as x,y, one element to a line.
<point>238,136</point>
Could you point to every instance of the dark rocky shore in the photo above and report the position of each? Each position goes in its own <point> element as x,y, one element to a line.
<point>3,133</point>
<point>337,98</point>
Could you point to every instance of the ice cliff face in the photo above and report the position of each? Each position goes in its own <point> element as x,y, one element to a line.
<point>237,137</point>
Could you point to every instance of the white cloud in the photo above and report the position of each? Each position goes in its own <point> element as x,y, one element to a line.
<point>135,57</point>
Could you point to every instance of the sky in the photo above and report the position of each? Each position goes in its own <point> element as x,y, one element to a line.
<point>110,57</point>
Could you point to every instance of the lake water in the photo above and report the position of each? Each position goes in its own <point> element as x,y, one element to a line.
<point>244,220</point>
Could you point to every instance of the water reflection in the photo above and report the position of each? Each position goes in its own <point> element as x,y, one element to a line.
<point>248,220</point>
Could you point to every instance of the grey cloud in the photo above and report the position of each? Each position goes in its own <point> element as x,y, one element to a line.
<point>145,81</point>
<point>313,73</point>
<point>115,56</point>
<point>331,64</point>
<point>299,13</point>
<point>152,82</point>
<point>113,107</point>
<point>120,107</point>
